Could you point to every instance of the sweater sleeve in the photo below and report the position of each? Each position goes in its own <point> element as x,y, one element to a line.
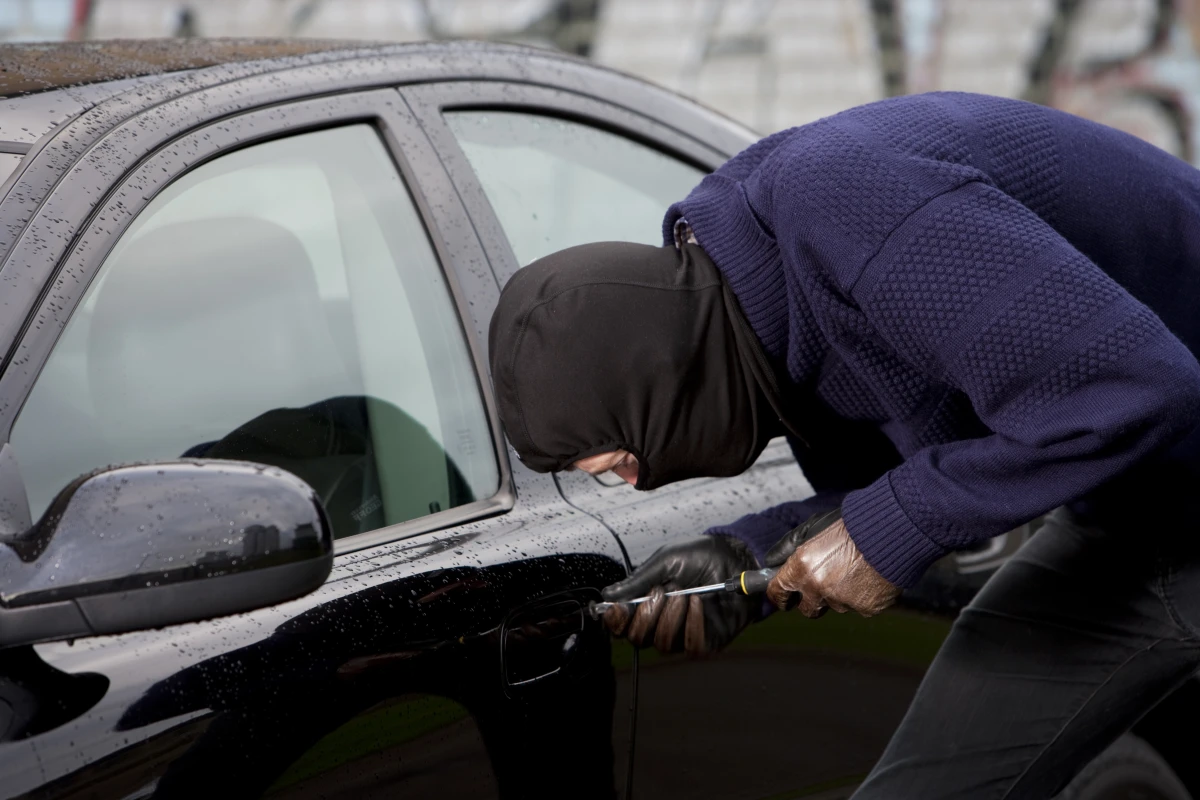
<point>1074,378</point>
<point>761,530</point>
<point>829,471</point>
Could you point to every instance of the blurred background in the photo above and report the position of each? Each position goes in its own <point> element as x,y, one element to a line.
<point>771,64</point>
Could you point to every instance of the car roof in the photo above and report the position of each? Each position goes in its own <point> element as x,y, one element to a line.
<point>47,87</point>
<point>37,67</point>
<point>44,85</point>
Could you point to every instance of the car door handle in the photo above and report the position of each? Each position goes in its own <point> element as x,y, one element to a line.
<point>547,639</point>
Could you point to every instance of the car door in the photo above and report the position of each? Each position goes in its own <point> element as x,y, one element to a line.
<point>290,285</point>
<point>794,706</point>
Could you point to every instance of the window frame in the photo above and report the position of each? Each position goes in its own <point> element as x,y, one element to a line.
<point>433,196</point>
<point>430,101</point>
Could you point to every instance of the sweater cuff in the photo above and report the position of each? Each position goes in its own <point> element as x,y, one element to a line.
<point>882,531</point>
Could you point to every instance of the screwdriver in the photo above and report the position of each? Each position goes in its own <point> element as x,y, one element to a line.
<point>753,581</point>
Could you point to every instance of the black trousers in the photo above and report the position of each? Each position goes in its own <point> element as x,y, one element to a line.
<point>1067,646</point>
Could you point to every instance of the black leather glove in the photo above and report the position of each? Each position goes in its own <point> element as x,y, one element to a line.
<point>697,624</point>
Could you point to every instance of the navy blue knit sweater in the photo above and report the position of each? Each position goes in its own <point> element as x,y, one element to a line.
<point>989,306</point>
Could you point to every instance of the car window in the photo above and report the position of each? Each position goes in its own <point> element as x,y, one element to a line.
<point>555,183</point>
<point>281,304</point>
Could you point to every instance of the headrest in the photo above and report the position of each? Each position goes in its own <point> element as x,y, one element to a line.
<point>202,325</point>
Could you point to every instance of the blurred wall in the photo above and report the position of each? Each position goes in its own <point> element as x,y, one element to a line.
<point>769,63</point>
<point>1132,64</point>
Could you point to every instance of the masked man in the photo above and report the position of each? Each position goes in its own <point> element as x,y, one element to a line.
<point>965,312</point>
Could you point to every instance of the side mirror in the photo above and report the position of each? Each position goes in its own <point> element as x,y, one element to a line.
<point>136,547</point>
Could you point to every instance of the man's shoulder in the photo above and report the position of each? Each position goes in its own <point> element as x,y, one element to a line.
<point>861,172</point>
<point>926,136</point>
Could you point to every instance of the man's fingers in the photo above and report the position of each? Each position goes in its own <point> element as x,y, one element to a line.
<point>813,602</point>
<point>783,588</point>
<point>694,640</point>
<point>778,593</point>
<point>645,618</point>
<point>792,581</point>
<point>783,549</point>
<point>670,624</point>
<point>616,619</point>
<point>644,578</point>
<point>812,606</point>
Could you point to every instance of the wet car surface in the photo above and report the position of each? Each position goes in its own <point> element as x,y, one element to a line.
<point>286,255</point>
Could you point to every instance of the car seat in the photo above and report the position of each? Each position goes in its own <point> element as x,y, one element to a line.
<point>203,325</point>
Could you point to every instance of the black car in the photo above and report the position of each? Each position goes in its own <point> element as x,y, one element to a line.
<point>260,274</point>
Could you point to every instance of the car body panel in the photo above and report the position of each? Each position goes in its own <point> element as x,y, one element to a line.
<point>418,616</point>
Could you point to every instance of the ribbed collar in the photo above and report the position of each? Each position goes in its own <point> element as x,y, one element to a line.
<point>746,254</point>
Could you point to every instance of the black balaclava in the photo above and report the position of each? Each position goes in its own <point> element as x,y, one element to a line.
<point>615,345</point>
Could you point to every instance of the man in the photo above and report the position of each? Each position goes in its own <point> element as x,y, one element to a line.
<point>965,312</point>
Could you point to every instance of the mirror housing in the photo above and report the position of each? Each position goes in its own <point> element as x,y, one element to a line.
<point>142,546</point>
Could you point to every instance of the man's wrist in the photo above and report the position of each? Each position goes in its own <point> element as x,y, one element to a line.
<point>888,540</point>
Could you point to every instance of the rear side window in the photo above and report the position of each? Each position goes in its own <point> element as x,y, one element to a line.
<point>281,304</point>
<point>555,183</point>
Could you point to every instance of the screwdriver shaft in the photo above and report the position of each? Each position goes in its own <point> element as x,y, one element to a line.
<point>600,608</point>
<point>745,583</point>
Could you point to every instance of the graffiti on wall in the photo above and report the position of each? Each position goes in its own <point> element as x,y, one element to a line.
<point>1131,64</point>
<point>1151,91</point>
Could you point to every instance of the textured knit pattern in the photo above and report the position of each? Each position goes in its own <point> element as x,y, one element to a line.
<point>1052,307</point>
<point>845,391</point>
<point>1089,363</point>
<point>919,265</point>
<point>924,129</point>
<point>1021,156</point>
<point>959,246</point>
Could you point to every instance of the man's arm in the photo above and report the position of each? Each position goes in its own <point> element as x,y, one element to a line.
<point>1075,378</point>
<point>840,456</point>
<point>761,530</point>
